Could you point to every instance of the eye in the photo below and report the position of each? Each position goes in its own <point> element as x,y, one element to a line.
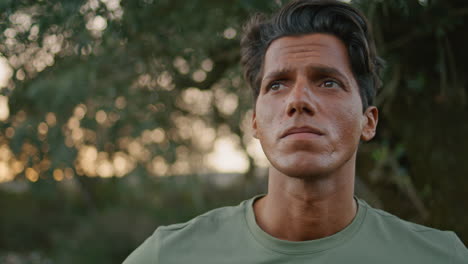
<point>275,86</point>
<point>331,84</point>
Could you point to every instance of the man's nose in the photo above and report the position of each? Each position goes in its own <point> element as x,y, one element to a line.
<point>300,100</point>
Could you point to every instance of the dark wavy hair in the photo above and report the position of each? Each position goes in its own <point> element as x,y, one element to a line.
<point>301,17</point>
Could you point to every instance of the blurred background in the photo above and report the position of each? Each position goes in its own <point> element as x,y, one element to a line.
<point>120,116</point>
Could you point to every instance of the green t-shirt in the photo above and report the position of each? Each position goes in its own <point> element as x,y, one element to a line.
<point>231,235</point>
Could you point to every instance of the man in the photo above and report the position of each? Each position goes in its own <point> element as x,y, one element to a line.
<point>314,72</point>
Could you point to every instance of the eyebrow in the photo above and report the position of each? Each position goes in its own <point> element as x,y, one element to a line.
<point>317,69</point>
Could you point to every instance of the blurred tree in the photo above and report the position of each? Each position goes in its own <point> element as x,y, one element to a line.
<point>103,88</point>
<point>421,147</point>
<point>146,87</point>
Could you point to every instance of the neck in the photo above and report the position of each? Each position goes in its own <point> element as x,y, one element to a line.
<point>305,209</point>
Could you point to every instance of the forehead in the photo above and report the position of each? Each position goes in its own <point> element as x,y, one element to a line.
<point>291,52</point>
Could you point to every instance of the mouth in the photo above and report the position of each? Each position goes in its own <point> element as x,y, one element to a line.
<point>302,131</point>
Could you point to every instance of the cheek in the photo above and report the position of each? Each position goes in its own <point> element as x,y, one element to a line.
<point>348,125</point>
<point>267,127</point>
<point>264,126</point>
<point>263,116</point>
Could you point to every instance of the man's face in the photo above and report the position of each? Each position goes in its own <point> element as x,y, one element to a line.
<point>308,116</point>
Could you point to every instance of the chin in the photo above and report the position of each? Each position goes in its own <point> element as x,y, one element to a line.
<point>305,173</point>
<point>305,167</point>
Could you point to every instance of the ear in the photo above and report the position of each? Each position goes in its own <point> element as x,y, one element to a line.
<point>370,118</point>
<point>254,125</point>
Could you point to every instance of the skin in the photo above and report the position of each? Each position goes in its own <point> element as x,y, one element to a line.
<point>308,81</point>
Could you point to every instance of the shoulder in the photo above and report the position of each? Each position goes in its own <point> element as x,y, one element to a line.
<point>387,220</point>
<point>147,252</point>
<point>213,219</point>
<point>210,226</point>
<point>408,236</point>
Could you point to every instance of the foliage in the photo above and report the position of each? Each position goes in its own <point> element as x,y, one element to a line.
<point>61,227</point>
<point>144,88</point>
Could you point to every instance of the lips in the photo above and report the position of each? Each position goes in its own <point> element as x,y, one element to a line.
<point>304,129</point>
